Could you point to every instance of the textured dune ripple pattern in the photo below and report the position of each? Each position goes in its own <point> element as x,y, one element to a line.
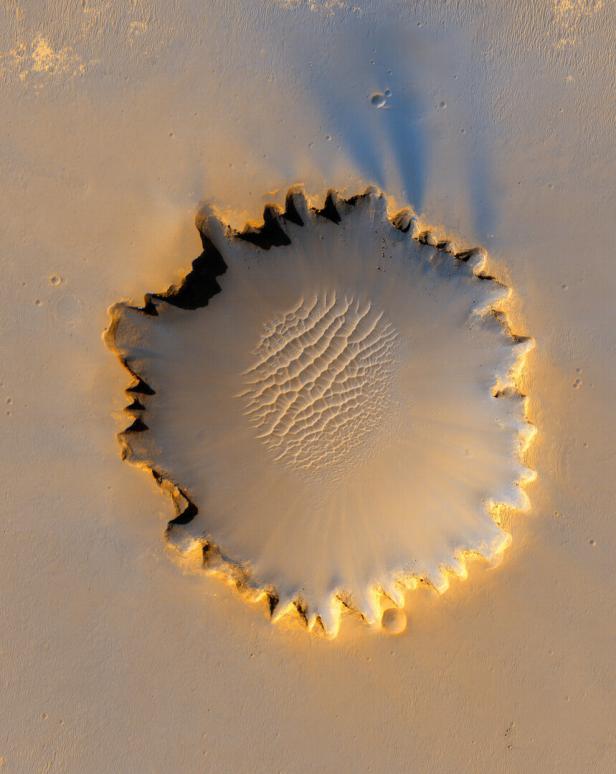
<point>331,402</point>
<point>321,381</point>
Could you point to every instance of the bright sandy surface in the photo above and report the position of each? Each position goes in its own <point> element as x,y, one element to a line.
<point>117,120</point>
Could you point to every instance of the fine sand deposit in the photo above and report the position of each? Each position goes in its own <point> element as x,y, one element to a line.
<point>123,122</point>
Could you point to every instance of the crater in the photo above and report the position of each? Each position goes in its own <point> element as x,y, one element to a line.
<point>331,403</point>
<point>393,620</point>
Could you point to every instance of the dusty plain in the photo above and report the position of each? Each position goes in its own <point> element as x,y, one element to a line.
<point>118,119</point>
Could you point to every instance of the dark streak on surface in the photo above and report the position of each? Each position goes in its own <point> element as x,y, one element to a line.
<point>270,234</point>
<point>290,213</point>
<point>329,210</point>
<point>187,515</point>
<point>200,284</point>
<point>138,426</point>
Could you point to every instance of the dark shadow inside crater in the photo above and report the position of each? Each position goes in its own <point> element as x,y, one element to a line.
<point>202,283</point>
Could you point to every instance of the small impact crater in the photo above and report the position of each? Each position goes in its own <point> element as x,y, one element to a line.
<point>393,620</point>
